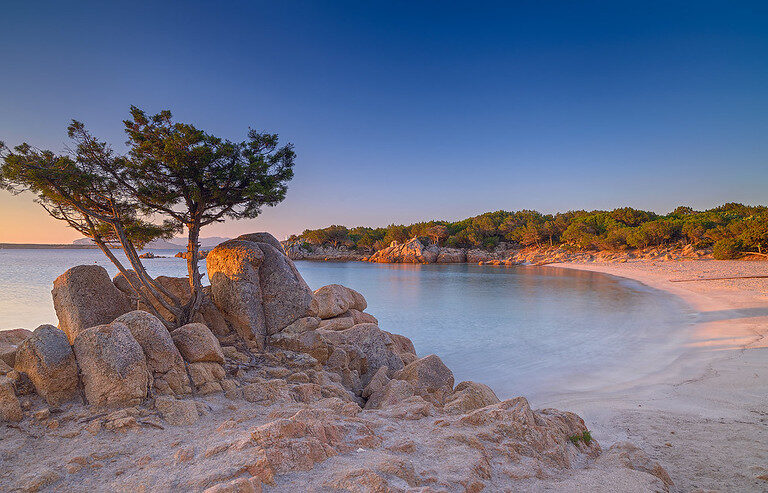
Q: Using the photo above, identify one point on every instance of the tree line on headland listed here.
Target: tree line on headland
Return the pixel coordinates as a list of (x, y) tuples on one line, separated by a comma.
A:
[(731, 230)]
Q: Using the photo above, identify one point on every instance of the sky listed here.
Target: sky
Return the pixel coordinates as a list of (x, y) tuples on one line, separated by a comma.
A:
[(407, 111)]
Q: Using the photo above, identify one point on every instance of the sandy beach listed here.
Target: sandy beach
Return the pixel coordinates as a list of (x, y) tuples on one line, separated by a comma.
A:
[(705, 416)]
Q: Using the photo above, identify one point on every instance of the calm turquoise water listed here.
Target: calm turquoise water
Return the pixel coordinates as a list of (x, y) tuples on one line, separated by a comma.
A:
[(533, 331)]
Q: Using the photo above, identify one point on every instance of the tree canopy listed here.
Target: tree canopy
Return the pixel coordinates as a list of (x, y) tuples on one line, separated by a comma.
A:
[(174, 176), (738, 228)]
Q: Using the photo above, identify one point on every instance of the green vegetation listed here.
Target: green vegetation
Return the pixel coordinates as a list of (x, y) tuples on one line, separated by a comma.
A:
[(174, 177), (731, 229), (585, 437)]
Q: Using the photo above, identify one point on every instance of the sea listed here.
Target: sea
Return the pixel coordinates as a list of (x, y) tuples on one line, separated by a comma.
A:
[(540, 332)]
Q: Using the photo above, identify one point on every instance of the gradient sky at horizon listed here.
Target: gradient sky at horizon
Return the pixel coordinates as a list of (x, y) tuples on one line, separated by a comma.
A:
[(405, 111)]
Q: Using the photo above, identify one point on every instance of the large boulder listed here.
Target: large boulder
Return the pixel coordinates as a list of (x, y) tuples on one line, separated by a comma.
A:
[(9, 342), (256, 286), (334, 299), (112, 364), (197, 343), (393, 393), (84, 296), (263, 237), (47, 359), (468, 396), (411, 252), (164, 360), (233, 269), (285, 295), (373, 343), (429, 376)]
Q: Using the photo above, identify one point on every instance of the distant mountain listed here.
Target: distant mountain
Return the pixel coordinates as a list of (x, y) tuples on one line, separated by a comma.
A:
[(176, 244)]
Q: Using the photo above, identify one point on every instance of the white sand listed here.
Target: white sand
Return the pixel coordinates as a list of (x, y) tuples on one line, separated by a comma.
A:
[(705, 416)]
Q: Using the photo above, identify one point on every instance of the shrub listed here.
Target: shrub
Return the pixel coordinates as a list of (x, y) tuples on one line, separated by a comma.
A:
[(726, 249)]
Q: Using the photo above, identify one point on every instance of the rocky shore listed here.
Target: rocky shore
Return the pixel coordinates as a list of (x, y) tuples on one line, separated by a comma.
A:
[(299, 250), (273, 387), (415, 252)]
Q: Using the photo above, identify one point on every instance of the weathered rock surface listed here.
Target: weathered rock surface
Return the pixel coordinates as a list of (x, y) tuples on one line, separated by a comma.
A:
[(164, 361), (197, 343), (410, 252), (179, 287), (626, 455), (9, 342), (300, 250), (429, 376), (451, 256), (334, 300), (403, 347), (124, 283), (468, 396), (377, 382), (302, 325), (207, 376), (84, 296), (10, 409), (392, 393), (374, 344), (112, 365), (256, 287), (47, 359), (233, 269), (176, 411), (285, 295), (337, 323), (262, 237)]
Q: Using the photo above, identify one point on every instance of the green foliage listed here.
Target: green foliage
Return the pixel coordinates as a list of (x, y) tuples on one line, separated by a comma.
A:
[(174, 176), (612, 230), (585, 437), (726, 249)]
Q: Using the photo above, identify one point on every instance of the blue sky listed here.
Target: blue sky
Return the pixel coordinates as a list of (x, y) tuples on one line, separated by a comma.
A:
[(402, 111)]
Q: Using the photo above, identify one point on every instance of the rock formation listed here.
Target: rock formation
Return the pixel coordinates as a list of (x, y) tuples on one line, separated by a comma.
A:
[(112, 365), (48, 361), (300, 250), (164, 362), (84, 296), (256, 287), (197, 343), (9, 343), (410, 252)]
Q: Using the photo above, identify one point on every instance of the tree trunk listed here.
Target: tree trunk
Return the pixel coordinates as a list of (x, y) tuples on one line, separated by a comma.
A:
[(155, 289), (195, 280), (137, 289)]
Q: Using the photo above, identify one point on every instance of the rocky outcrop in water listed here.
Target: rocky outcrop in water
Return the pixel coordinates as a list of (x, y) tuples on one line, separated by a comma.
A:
[(410, 252), (328, 401), (415, 252), (300, 250)]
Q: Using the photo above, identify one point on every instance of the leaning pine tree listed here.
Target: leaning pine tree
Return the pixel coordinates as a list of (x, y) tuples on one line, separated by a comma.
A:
[(174, 177)]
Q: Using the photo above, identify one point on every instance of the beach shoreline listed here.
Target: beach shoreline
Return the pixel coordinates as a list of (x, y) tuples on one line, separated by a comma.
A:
[(704, 416)]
